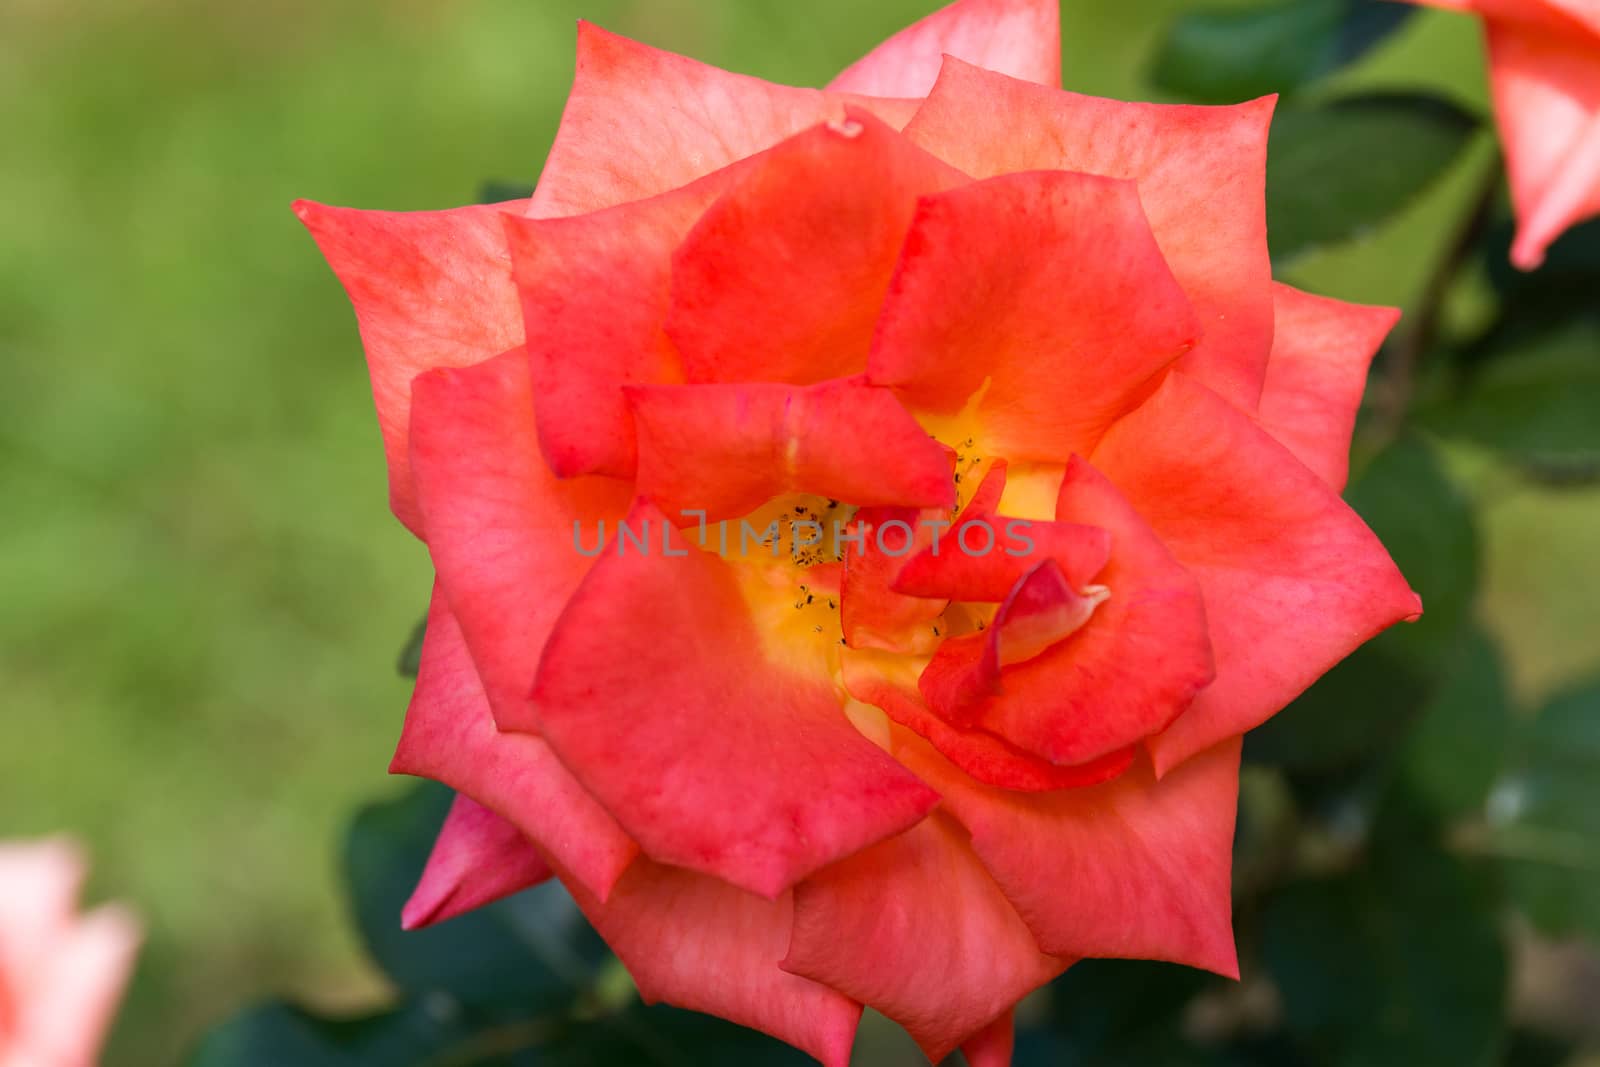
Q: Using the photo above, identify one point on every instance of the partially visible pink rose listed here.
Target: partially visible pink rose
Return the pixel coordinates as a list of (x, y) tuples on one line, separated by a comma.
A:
[(1544, 68), (61, 974)]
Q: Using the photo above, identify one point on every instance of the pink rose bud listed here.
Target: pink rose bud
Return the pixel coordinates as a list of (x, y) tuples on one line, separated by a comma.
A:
[(62, 974)]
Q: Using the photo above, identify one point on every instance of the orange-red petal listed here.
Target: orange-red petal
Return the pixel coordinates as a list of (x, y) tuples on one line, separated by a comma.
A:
[(1135, 867), (696, 942), (1021, 38), (450, 736), (658, 693), (783, 278), (1132, 668), (916, 928), (1046, 289), (430, 289), (594, 292), (1321, 349), (728, 449), (1293, 580), (640, 121), (503, 531), (477, 859), (1201, 174)]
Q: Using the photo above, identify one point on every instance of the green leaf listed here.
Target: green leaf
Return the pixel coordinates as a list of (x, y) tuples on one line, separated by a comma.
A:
[(531, 950), (411, 654), (671, 1037), (499, 192), (1530, 1049), (279, 1034), (1225, 56), (1534, 396), (1368, 700), (1338, 170), (436, 1031), (1123, 1011), (1544, 816), (1395, 963), (1459, 745)]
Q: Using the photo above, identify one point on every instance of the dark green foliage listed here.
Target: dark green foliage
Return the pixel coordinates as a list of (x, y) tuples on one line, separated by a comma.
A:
[(1224, 56)]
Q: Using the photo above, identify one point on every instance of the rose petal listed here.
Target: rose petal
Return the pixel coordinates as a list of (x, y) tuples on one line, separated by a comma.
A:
[(970, 563), (1546, 86), (892, 686), (1042, 610), (503, 531), (1133, 868), (39, 886), (1047, 290), (1571, 17), (594, 291), (450, 736), (783, 278), (430, 289), (640, 121), (727, 761), (916, 928), (696, 942), (72, 996), (1021, 38), (1292, 578), (728, 449), (871, 613), (1132, 668), (992, 1046), (1321, 349), (1201, 173), (477, 859)]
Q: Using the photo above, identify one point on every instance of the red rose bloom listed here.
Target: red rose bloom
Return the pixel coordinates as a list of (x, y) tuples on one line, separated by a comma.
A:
[(940, 305), (1544, 68)]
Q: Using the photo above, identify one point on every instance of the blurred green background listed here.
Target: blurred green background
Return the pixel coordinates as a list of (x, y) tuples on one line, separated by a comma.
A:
[(201, 590)]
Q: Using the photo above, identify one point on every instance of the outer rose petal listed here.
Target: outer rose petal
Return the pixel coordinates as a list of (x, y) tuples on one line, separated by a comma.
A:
[(1201, 173), (783, 278), (699, 943), (477, 859), (1021, 38), (1321, 349), (450, 736), (1547, 99), (1134, 868), (992, 1046), (655, 689), (502, 530), (595, 291), (430, 289), (728, 449), (916, 928), (640, 121), (1293, 580), (1049, 286)]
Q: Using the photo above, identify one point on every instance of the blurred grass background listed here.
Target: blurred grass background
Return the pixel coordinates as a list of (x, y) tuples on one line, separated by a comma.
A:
[(201, 590)]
